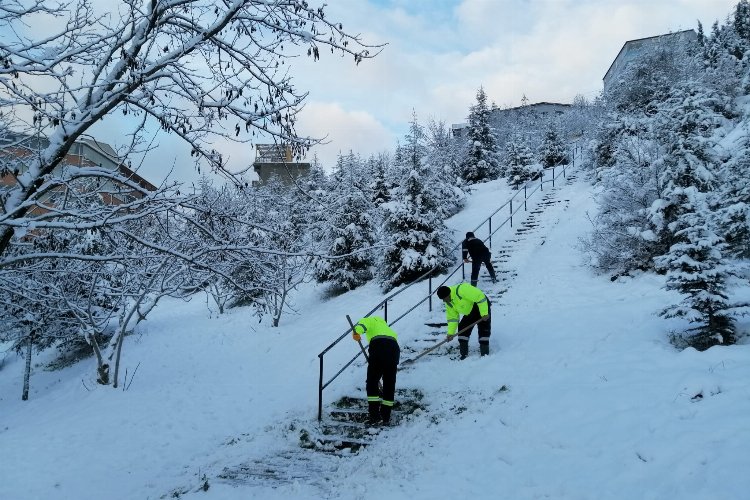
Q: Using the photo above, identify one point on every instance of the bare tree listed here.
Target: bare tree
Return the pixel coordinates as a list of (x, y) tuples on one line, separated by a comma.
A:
[(202, 70), (34, 314)]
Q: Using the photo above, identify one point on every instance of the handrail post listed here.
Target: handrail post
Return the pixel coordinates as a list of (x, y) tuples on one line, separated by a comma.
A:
[(553, 176), (574, 157), (429, 292), (511, 212), (320, 390), (490, 219), (525, 197), (463, 267), (541, 180)]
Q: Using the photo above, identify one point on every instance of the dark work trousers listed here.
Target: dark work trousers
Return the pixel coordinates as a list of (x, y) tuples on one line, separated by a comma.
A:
[(484, 327), (384, 355), (477, 263)]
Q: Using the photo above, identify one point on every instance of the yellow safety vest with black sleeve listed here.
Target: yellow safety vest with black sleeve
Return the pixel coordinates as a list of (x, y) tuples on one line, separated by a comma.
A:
[(463, 298), (373, 327)]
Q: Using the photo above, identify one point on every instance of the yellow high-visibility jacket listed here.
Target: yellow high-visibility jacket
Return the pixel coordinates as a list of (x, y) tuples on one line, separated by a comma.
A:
[(463, 298), (374, 326)]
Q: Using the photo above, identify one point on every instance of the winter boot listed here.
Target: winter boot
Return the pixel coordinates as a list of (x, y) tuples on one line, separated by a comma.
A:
[(374, 411), (484, 349), (385, 414), (463, 349)]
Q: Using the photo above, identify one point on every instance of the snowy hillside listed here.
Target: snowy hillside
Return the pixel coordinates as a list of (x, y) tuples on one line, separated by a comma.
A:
[(582, 396)]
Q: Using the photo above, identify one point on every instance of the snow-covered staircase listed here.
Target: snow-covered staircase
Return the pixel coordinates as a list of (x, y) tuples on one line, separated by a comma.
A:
[(343, 429), (530, 232), (342, 432)]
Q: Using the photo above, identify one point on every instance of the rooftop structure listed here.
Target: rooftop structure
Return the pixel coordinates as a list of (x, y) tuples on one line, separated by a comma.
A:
[(276, 160)]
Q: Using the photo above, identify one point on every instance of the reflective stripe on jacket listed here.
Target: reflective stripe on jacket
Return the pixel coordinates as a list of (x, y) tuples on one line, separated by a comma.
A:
[(463, 298), (374, 326)]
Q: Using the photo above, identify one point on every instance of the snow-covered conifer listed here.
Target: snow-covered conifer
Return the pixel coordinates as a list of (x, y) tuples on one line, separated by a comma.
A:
[(442, 158), (381, 182), (697, 269), (684, 123), (350, 229), (519, 161), (415, 235), (481, 162), (733, 197), (553, 151)]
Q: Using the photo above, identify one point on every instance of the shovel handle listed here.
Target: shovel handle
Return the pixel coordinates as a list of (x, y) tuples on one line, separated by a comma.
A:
[(429, 350), (351, 324)]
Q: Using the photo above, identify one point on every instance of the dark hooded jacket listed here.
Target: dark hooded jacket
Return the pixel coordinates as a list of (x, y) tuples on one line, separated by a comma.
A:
[(474, 247)]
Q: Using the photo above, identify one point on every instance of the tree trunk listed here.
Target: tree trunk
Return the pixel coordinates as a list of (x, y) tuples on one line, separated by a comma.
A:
[(279, 307), (27, 370), (102, 368), (117, 359)]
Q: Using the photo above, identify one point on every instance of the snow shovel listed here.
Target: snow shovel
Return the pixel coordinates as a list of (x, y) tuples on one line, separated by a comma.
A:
[(429, 350)]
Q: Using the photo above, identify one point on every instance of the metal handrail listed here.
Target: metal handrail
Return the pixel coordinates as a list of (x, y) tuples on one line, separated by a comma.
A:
[(428, 274)]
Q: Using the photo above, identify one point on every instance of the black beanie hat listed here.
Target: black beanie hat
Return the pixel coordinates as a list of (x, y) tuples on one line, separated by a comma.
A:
[(469, 234), (443, 292)]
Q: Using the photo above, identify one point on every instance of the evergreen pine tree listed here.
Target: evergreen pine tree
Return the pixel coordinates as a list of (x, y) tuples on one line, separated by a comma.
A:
[(697, 269), (351, 230), (741, 20), (519, 160), (734, 198), (415, 235), (442, 160), (723, 56), (381, 183), (481, 163), (694, 260), (552, 152), (684, 125)]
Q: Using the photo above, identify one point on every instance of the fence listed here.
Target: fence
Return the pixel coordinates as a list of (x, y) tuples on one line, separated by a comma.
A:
[(529, 189)]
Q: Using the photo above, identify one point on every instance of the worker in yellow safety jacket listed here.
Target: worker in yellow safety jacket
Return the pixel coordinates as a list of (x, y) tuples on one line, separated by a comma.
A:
[(383, 357), (471, 303)]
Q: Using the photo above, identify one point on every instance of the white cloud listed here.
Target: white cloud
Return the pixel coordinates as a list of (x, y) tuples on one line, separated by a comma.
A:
[(346, 130)]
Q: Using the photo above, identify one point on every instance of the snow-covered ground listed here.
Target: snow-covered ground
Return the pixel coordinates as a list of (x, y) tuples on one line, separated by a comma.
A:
[(582, 397)]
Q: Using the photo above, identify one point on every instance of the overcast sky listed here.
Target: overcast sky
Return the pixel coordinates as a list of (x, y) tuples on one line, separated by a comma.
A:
[(439, 52)]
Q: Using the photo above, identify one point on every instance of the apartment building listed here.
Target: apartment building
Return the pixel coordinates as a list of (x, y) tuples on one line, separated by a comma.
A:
[(635, 49)]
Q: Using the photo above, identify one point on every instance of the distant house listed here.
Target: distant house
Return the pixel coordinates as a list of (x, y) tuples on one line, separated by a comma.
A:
[(16, 151), (276, 160), (539, 110), (634, 49)]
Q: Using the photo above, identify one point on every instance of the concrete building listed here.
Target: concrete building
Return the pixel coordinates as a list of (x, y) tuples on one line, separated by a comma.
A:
[(634, 49), (276, 160)]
